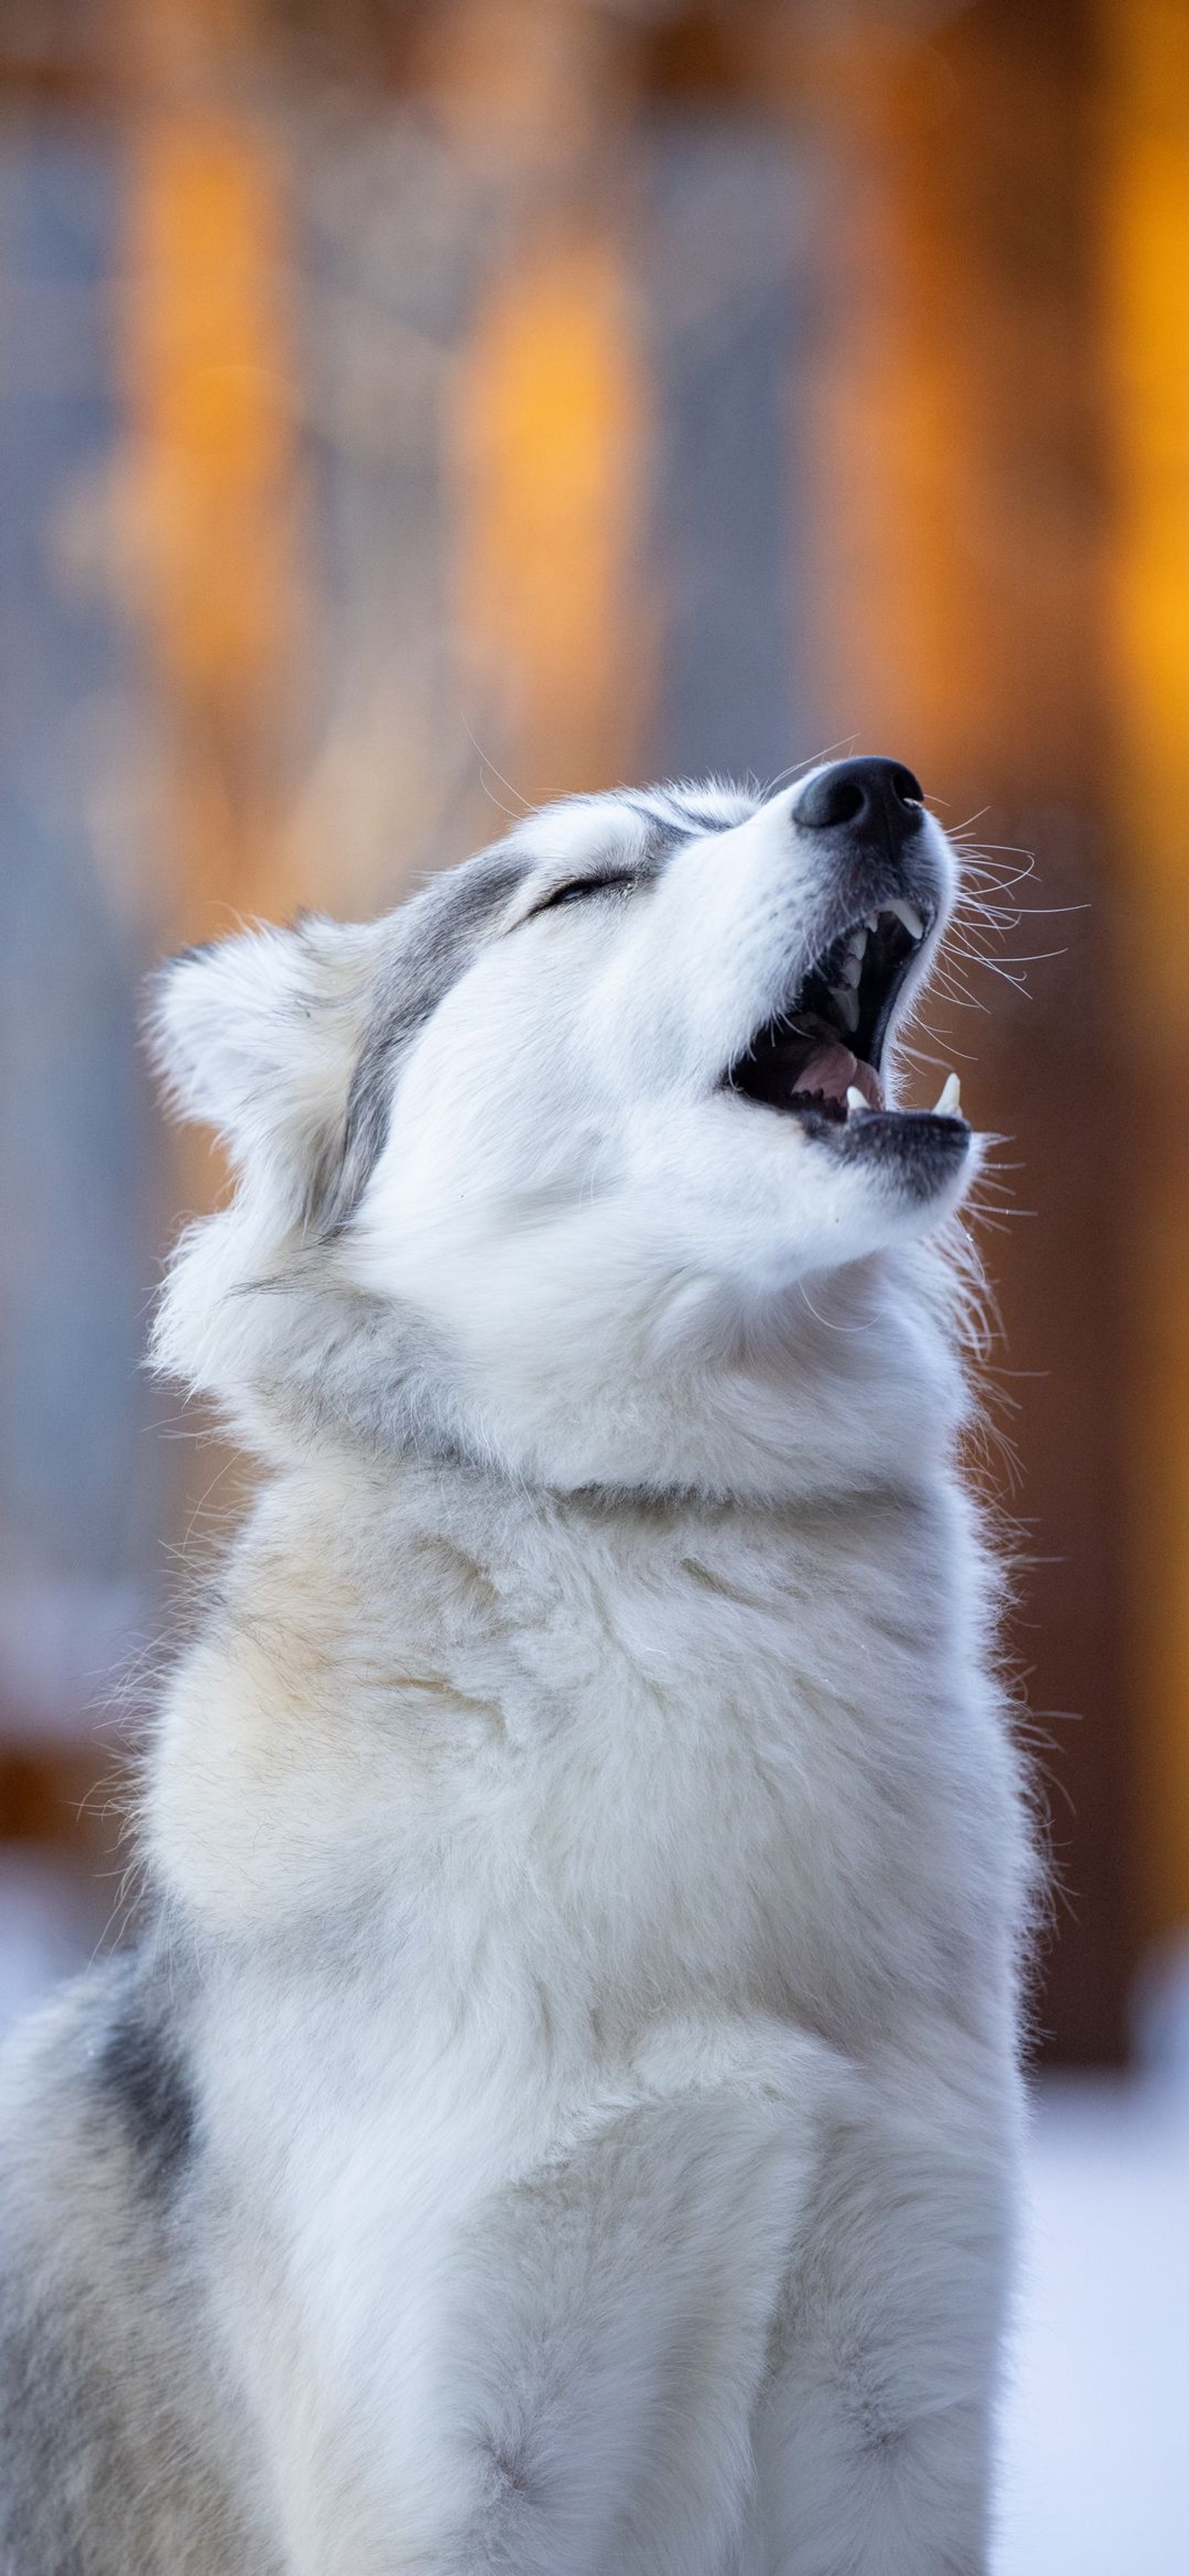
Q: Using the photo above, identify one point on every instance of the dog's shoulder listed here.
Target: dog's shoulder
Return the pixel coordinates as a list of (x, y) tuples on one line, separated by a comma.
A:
[(107, 2059), (105, 2357)]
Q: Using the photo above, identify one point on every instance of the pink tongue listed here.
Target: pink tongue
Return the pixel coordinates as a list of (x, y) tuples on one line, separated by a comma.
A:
[(833, 1070)]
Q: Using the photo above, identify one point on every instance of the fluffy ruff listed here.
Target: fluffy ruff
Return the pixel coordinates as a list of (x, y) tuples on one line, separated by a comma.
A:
[(563, 2120)]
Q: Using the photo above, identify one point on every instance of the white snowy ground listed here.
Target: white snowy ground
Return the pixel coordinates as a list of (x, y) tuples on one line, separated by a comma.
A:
[(1096, 2469), (1096, 2450)]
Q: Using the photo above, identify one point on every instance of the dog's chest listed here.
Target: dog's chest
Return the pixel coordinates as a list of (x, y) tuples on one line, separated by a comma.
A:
[(628, 1764), (730, 1767)]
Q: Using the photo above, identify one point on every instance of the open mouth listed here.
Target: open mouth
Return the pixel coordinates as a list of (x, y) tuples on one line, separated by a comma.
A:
[(819, 1057)]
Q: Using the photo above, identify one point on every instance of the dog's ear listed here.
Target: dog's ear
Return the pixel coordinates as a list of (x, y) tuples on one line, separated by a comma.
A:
[(259, 1037)]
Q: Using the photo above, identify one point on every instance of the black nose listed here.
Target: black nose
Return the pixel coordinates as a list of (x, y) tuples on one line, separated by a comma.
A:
[(871, 800)]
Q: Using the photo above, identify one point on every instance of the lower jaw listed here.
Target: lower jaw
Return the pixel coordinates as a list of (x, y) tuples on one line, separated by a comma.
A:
[(921, 1151)]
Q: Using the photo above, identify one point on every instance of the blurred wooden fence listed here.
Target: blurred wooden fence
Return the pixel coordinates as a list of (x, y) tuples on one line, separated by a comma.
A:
[(526, 391)]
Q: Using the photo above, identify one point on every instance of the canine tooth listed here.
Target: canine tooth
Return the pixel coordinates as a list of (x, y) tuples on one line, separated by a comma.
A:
[(854, 1098), (848, 1007), (908, 914), (852, 968), (950, 1103), (873, 921)]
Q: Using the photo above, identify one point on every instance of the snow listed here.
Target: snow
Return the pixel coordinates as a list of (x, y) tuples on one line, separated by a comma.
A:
[(1096, 2461)]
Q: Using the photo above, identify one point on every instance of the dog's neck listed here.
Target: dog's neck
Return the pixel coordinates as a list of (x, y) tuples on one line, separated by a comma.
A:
[(852, 1382)]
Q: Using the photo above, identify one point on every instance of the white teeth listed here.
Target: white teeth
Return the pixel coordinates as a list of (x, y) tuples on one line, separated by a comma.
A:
[(908, 914), (873, 921), (855, 1100), (848, 1007), (950, 1103), (852, 968)]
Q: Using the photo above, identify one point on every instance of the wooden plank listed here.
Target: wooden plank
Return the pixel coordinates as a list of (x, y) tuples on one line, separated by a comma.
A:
[(726, 258), (549, 427), (1146, 291), (548, 431), (211, 483), (78, 1491)]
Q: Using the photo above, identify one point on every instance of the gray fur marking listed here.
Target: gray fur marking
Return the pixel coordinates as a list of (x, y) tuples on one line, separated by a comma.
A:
[(436, 936), (141, 2071), (435, 939)]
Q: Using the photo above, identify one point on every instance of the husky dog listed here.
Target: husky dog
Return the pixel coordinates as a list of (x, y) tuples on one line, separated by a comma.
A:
[(564, 2120)]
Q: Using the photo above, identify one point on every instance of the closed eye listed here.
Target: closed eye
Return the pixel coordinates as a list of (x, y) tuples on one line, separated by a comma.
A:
[(579, 887)]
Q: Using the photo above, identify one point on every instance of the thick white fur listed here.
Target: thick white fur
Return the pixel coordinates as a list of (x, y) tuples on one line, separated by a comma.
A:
[(589, 1790)]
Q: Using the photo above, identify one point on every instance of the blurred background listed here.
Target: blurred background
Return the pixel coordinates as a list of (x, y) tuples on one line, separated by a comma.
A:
[(413, 408)]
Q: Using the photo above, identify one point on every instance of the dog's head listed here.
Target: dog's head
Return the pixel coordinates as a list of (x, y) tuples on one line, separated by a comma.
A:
[(581, 1158)]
